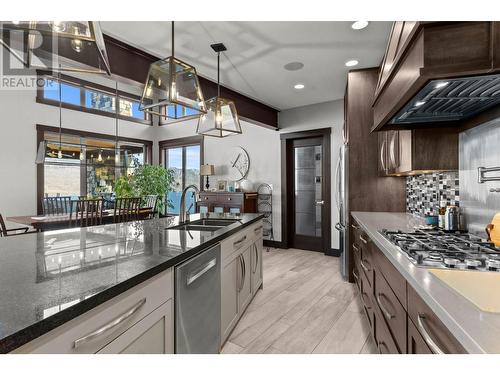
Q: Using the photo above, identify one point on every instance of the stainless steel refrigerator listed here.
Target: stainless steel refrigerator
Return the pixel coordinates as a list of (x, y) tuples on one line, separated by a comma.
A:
[(341, 198)]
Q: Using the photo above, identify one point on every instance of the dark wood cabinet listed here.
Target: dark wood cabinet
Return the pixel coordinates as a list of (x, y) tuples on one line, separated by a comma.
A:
[(416, 343), (418, 52), (367, 190), (407, 152), (400, 321), (227, 202), (438, 337)]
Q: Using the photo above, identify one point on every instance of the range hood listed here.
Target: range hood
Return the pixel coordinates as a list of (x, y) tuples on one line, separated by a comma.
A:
[(451, 100), (437, 74)]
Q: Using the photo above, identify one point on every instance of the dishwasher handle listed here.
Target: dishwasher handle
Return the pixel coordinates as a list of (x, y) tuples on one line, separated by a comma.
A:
[(201, 271)]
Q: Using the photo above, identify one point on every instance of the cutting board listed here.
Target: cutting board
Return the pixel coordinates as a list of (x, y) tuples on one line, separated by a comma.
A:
[(493, 230), (480, 288)]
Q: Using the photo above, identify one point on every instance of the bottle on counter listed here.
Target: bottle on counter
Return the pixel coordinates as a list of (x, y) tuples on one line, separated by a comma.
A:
[(453, 215), (442, 214)]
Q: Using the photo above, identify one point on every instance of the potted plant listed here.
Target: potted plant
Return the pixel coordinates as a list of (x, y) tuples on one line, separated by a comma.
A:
[(147, 180)]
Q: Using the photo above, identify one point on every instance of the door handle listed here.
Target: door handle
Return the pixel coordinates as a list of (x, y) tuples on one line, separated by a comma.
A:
[(256, 258), (194, 276), (386, 312), (110, 325), (338, 227), (240, 241), (242, 279), (320, 203)]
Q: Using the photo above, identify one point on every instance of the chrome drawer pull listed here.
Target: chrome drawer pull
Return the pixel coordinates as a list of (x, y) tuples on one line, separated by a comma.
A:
[(256, 258), (193, 277), (240, 241), (354, 226), (110, 325), (362, 239), (386, 312), (257, 229), (427, 337), (362, 262), (355, 248)]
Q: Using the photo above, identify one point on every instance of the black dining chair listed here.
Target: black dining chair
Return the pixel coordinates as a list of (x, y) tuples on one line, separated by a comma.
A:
[(126, 209), (4, 232), (57, 205), (88, 212), (150, 202)]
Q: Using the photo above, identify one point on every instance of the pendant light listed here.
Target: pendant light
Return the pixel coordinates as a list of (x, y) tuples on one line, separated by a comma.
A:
[(221, 119), (172, 89), (78, 45)]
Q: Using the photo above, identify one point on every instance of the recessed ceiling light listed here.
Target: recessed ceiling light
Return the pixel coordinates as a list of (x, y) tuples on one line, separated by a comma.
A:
[(299, 86), (358, 25), (294, 65), (352, 63)]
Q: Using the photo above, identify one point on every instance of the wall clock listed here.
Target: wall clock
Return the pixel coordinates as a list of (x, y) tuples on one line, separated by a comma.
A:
[(239, 163)]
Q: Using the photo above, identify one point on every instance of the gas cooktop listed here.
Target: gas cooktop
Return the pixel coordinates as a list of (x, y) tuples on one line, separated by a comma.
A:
[(438, 249)]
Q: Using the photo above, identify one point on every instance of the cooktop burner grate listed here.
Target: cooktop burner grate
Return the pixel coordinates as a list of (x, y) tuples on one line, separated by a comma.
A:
[(439, 249)]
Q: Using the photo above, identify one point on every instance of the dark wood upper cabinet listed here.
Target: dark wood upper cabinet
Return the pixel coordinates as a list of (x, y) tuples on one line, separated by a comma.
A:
[(407, 152), (419, 53)]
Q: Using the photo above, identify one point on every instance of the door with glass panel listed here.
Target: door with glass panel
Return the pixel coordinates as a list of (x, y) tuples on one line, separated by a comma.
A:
[(309, 217)]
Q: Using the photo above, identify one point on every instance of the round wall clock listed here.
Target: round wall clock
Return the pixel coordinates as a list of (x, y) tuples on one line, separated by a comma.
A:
[(239, 163)]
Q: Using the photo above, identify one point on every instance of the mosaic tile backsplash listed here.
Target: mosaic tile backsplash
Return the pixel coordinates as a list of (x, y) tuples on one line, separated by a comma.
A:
[(424, 192)]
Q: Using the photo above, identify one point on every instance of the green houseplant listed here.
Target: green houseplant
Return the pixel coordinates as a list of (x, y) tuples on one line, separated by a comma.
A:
[(146, 180)]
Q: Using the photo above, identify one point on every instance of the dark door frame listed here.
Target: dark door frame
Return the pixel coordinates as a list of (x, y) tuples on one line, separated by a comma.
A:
[(287, 184)]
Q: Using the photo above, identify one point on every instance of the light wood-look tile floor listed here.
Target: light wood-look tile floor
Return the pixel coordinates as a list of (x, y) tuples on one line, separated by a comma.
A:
[(304, 307)]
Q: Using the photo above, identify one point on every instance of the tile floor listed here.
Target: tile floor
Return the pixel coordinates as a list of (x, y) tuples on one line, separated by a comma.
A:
[(304, 307)]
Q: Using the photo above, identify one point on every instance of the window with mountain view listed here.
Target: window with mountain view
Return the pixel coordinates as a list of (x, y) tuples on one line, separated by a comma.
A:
[(184, 161)]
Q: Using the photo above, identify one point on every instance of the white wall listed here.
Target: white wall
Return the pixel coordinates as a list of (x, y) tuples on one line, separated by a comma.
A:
[(20, 113), (316, 116)]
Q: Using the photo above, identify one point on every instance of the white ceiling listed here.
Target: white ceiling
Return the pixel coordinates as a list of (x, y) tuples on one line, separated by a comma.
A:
[(257, 52)]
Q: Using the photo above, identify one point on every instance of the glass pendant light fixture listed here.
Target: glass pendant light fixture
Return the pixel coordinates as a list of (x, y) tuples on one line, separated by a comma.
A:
[(172, 89), (221, 119), (74, 46)]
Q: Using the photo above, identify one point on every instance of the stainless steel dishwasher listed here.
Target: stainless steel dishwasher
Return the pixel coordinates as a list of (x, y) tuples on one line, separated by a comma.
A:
[(198, 304)]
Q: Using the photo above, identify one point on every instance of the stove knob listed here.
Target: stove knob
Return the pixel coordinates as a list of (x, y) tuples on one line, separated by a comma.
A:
[(493, 264), (473, 263), (451, 262)]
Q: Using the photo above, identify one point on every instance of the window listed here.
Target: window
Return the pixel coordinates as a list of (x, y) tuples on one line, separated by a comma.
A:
[(89, 97), (183, 156), (87, 166), (185, 111)]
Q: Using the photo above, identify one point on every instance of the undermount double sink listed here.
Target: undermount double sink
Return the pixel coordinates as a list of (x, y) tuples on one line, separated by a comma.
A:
[(208, 225)]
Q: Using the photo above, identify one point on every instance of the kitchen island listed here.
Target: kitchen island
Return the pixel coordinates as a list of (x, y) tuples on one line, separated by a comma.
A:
[(475, 330), (49, 279)]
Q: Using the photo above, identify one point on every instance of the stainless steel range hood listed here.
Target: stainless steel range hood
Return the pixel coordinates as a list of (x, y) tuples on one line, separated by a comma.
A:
[(450, 100)]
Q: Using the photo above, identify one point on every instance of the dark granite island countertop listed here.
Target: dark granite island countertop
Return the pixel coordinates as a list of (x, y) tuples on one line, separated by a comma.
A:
[(49, 278)]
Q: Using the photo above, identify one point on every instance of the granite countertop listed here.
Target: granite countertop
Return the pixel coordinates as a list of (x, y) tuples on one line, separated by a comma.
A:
[(476, 330), (49, 278)]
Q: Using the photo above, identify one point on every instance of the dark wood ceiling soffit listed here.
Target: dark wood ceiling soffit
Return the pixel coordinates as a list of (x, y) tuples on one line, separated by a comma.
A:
[(132, 63)]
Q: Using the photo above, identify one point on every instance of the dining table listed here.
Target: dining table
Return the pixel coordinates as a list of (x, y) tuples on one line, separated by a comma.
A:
[(52, 222)]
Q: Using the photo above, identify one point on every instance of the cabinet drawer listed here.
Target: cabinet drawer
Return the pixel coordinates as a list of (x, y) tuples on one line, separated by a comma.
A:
[(391, 311), (395, 280), (119, 314), (366, 261), (235, 243), (366, 298), (433, 331), (210, 198), (234, 199), (383, 338), (416, 343)]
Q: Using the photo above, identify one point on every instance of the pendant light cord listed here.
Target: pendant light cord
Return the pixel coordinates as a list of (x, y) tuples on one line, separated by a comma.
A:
[(218, 74), (173, 35), (117, 103)]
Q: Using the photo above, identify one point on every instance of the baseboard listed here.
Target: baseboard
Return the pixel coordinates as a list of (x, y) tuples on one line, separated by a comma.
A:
[(333, 252), (275, 244)]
